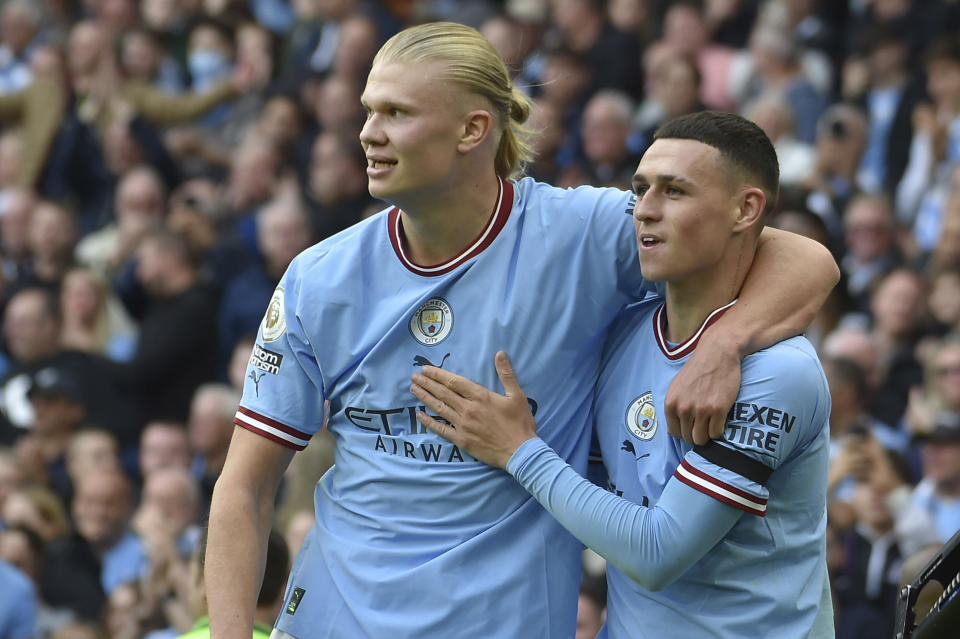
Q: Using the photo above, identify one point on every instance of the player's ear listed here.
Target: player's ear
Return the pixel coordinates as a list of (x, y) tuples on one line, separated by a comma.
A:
[(476, 127), (752, 201)]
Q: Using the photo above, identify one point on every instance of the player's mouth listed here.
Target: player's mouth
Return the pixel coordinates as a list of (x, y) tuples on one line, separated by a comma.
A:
[(378, 166), (648, 241)]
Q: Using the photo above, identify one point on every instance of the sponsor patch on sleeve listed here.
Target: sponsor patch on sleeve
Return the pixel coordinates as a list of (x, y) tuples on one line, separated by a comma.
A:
[(267, 361)]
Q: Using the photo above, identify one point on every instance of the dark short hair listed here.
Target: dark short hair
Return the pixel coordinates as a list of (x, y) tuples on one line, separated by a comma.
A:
[(739, 141)]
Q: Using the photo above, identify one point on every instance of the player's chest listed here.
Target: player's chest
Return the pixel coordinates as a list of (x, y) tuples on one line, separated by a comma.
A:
[(638, 452)]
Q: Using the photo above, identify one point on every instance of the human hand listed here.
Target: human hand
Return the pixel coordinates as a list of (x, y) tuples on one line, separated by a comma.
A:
[(489, 426), (701, 394)]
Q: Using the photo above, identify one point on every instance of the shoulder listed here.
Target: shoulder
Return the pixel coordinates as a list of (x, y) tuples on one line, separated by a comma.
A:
[(793, 362), (345, 248), (583, 198)]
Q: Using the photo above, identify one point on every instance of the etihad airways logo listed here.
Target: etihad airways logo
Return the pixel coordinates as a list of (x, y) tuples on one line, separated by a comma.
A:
[(393, 426)]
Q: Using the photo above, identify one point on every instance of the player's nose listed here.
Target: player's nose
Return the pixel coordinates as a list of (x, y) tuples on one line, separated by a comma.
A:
[(646, 208), (372, 132)]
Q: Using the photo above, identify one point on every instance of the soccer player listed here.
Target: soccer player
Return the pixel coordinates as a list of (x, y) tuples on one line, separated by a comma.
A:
[(720, 540), (414, 537)]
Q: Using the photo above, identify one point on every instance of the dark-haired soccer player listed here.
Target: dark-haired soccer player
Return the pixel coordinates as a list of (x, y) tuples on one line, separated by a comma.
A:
[(721, 540)]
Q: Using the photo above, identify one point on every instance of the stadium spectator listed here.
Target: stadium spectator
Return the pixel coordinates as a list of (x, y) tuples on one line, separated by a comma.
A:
[(167, 516), (880, 81), (940, 391), (336, 184), (774, 114), (841, 137), (938, 493), (93, 320), (935, 148), (177, 347), (870, 229), (17, 206), (19, 25), (897, 309), (163, 445), (777, 67), (283, 231), (605, 138), (210, 428), (139, 207), (103, 553), (943, 300), (31, 326), (685, 31), (51, 241)]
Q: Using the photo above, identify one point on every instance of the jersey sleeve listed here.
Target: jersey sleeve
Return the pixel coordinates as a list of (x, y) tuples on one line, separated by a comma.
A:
[(783, 405), (652, 545), (283, 391)]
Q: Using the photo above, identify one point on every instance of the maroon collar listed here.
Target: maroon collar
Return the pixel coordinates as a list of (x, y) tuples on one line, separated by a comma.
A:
[(687, 347), (498, 219)]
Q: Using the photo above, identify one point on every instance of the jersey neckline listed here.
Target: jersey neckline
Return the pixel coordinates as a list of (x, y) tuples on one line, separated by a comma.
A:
[(498, 219), (685, 348)]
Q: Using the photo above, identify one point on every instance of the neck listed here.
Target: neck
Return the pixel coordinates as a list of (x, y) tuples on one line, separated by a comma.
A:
[(689, 301), (442, 224)]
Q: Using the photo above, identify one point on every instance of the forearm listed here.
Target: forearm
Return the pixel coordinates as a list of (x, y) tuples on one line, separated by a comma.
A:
[(653, 546), (789, 280), (236, 553)]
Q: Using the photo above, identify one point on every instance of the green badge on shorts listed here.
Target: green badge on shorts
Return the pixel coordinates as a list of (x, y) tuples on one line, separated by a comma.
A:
[(295, 600)]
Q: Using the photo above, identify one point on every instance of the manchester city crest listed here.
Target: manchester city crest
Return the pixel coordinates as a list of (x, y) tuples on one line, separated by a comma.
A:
[(275, 320), (432, 322), (642, 417)]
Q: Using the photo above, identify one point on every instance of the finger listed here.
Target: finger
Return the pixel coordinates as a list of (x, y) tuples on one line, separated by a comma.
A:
[(437, 391), (440, 428), (717, 425), (508, 378), (456, 383), (701, 430), (686, 425), (438, 406)]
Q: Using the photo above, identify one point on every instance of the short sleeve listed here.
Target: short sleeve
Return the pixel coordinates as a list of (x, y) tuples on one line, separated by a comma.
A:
[(783, 405), (283, 391)]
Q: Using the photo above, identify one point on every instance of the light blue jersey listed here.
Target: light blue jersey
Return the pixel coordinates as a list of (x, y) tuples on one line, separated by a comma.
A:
[(723, 540), (413, 537)]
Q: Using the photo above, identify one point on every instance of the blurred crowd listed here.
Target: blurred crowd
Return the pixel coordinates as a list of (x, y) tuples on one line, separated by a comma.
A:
[(162, 161)]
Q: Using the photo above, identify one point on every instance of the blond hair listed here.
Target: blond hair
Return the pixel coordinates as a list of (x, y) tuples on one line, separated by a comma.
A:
[(473, 64)]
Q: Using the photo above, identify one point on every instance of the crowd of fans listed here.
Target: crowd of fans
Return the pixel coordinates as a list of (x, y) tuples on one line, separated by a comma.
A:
[(162, 161)]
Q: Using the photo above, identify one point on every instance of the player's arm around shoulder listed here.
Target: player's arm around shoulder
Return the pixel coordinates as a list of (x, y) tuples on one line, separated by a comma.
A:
[(241, 514), (789, 279)]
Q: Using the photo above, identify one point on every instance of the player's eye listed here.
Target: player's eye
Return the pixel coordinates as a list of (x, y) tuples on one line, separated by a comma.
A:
[(396, 112), (640, 189), (673, 191)]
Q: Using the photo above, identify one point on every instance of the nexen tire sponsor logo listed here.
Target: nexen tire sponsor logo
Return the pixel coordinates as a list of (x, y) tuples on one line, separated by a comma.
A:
[(267, 361)]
